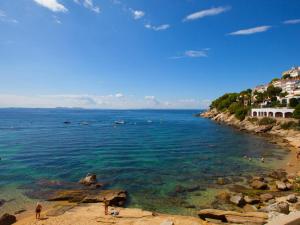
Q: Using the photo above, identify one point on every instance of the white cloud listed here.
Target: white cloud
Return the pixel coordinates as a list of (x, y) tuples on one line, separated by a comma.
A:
[(6, 19), (206, 12), (112, 101), (137, 14), (295, 21), (119, 95), (193, 54), (52, 5), (89, 4), (250, 31), (158, 28)]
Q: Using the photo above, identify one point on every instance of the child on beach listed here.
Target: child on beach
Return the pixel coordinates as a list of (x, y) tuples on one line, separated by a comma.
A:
[(38, 210)]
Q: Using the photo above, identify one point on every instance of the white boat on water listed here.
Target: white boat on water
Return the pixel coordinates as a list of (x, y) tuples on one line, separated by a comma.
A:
[(120, 122)]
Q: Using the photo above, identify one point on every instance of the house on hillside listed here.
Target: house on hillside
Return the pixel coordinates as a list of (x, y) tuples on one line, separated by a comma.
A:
[(292, 73)]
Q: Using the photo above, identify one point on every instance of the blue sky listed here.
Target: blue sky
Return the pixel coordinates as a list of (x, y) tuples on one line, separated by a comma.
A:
[(141, 54)]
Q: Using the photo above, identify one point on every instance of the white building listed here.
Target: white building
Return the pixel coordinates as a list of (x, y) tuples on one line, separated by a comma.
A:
[(294, 72), (272, 112)]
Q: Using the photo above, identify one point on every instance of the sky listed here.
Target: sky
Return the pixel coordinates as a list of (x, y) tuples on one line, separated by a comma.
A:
[(121, 54)]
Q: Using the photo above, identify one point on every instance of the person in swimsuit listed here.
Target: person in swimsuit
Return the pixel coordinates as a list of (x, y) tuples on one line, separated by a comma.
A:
[(106, 203), (38, 210)]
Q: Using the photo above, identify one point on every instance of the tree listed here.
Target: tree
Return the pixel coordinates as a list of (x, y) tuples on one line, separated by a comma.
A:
[(275, 79), (273, 91), (293, 102), (296, 113), (286, 76), (283, 94)]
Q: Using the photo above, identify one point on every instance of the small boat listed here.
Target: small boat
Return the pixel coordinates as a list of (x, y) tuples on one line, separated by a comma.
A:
[(84, 123), (67, 122), (149, 121), (120, 122)]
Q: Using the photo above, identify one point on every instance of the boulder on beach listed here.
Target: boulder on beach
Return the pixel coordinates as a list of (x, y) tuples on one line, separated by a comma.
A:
[(278, 174), (69, 195), (266, 197), (282, 186), (258, 185), (234, 217), (280, 207), (292, 198), (7, 219), (251, 200), (237, 200)]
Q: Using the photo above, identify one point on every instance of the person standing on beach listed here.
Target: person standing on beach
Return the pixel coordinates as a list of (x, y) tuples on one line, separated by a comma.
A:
[(298, 154), (38, 210), (106, 203)]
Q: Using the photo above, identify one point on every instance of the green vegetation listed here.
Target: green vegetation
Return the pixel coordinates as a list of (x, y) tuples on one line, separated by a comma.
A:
[(286, 76), (235, 103), (293, 102), (290, 125), (296, 113), (266, 121), (252, 119)]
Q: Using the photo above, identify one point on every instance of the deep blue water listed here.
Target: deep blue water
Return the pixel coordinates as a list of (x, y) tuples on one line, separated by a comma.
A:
[(149, 159)]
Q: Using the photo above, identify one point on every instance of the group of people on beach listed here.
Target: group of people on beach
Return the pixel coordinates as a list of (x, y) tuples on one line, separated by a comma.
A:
[(38, 209)]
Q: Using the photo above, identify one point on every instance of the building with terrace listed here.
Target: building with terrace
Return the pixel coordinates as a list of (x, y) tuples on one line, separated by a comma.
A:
[(272, 112)]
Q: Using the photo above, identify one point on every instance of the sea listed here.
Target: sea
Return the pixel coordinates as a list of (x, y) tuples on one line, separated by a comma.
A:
[(167, 160)]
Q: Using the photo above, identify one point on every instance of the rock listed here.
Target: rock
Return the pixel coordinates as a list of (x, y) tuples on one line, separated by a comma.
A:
[(258, 178), (292, 219), (69, 195), (89, 180), (167, 222), (221, 181), (249, 208), (7, 219), (263, 128), (258, 185), (20, 211), (234, 217), (292, 198), (281, 186), (2, 202), (251, 200), (266, 197), (115, 197), (280, 207), (278, 174), (289, 186), (237, 200)]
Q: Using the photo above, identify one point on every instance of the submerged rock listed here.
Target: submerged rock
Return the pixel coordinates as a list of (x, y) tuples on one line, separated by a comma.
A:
[(2, 202), (89, 179), (7, 219), (278, 174)]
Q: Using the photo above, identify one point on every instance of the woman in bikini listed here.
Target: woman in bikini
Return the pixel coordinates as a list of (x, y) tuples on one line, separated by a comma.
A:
[(38, 210)]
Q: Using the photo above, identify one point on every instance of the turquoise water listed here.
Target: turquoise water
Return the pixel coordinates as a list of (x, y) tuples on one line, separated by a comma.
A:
[(153, 153)]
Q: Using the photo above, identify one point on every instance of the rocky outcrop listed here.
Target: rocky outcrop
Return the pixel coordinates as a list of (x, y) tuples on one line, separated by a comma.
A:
[(89, 179), (115, 197), (292, 137), (234, 217), (7, 219)]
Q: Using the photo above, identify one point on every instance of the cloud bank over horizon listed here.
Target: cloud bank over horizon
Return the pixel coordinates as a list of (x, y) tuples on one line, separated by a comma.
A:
[(112, 101)]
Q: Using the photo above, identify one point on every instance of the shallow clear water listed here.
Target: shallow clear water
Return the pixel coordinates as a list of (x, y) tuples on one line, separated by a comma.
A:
[(149, 159)]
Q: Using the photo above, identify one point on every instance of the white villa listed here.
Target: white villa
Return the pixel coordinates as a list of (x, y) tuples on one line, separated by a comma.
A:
[(294, 72), (272, 112)]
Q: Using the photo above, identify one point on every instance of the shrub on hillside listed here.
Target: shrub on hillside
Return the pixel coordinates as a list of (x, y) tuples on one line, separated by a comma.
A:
[(293, 102), (234, 107), (290, 125), (266, 121), (252, 119), (296, 113), (241, 113)]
